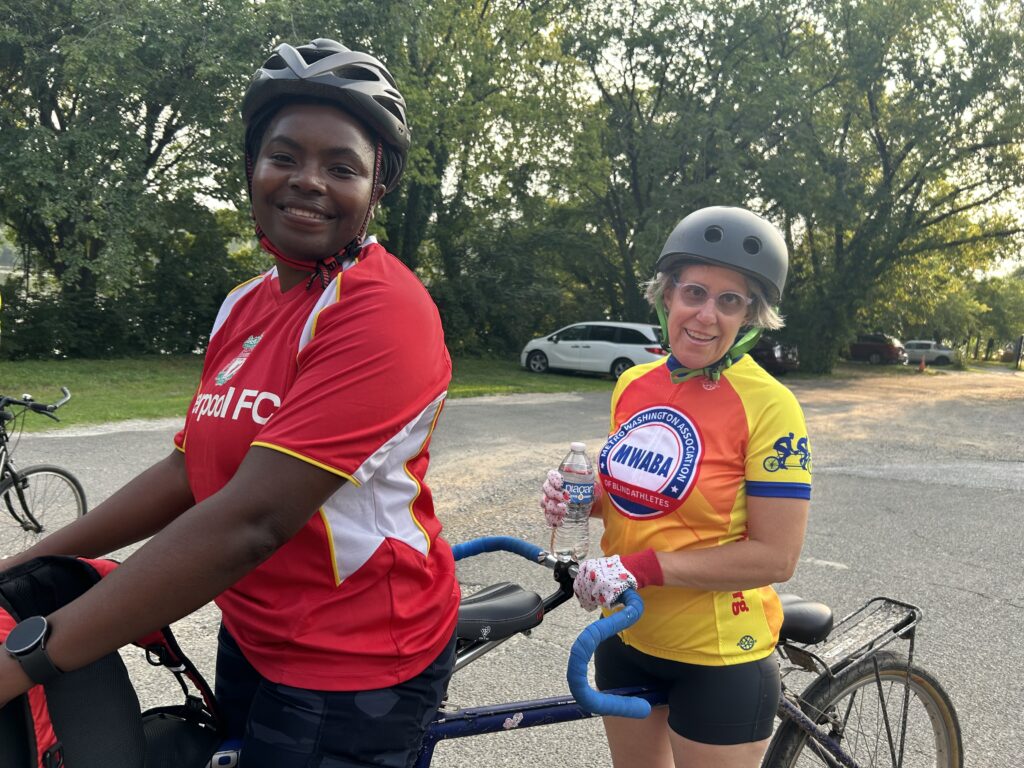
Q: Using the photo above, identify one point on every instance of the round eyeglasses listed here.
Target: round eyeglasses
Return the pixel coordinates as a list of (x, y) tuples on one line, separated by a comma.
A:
[(726, 302)]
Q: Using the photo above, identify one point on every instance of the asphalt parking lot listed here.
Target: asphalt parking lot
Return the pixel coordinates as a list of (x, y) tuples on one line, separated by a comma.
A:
[(918, 488)]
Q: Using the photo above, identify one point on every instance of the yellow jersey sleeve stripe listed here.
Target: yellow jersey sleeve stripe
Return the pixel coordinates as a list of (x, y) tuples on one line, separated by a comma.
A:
[(300, 457)]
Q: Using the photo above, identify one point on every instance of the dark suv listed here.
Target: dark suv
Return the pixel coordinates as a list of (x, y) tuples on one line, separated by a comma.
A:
[(775, 357), (878, 348)]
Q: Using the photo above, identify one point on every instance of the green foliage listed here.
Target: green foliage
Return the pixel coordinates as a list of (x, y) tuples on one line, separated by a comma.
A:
[(914, 128), (176, 286), (555, 144), (1004, 299)]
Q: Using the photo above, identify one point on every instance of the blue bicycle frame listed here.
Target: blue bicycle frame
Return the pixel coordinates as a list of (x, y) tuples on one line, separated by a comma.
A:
[(582, 702)]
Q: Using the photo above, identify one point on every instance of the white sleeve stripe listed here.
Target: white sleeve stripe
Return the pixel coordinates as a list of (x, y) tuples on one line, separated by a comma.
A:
[(233, 298)]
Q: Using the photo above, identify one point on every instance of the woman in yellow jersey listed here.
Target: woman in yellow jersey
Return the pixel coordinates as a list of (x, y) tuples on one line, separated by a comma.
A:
[(701, 511)]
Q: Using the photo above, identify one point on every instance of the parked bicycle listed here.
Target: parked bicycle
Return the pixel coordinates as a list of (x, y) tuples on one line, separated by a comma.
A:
[(866, 705), (38, 499)]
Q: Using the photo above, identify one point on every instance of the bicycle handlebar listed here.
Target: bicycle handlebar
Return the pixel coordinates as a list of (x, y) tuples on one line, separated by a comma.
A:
[(586, 643), (46, 409), (583, 650), (498, 544)]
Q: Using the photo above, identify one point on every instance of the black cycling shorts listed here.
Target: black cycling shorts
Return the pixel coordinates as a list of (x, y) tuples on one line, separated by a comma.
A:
[(287, 727), (732, 704)]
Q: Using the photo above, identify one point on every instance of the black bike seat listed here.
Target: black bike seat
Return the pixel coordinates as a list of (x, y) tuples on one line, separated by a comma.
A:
[(499, 611), (804, 621)]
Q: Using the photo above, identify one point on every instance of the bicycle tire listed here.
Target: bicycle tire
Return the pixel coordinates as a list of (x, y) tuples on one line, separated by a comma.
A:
[(53, 497), (856, 702)]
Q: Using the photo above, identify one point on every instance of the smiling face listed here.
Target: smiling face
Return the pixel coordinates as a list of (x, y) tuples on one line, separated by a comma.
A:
[(312, 181), (699, 336)]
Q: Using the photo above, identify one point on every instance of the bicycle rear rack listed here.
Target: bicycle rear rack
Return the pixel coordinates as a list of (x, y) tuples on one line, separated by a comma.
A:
[(857, 636)]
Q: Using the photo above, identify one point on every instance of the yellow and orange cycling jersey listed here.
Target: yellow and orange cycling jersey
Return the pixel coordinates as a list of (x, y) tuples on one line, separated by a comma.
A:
[(677, 468)]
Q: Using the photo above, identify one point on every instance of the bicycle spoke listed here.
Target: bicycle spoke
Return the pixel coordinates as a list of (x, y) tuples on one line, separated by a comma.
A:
[(884, 711), (42, 500), (882, 715)]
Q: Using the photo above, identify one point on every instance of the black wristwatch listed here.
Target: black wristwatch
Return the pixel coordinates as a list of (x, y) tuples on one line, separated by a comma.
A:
[(26, 644)]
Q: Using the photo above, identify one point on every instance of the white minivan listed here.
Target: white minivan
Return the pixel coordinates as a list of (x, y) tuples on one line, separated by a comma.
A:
[(603, 346), (932, 352)]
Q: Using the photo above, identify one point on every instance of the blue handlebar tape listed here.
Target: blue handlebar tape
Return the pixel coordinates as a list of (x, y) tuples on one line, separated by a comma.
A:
[(583, 650), (497, 544)]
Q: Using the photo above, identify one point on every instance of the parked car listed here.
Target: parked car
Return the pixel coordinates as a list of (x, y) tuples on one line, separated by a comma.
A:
[(931, 352), (878, 348), (774, 356), (597, 347)]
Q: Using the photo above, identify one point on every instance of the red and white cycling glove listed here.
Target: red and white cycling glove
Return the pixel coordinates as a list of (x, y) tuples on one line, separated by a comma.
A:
[(553, 498), (601, 581)]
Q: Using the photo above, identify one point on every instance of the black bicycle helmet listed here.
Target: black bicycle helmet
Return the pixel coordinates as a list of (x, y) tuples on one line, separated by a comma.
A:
[(326, 70), (730, 237)]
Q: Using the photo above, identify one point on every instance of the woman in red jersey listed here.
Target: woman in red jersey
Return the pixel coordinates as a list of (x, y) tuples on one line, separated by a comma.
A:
[(295, 496)]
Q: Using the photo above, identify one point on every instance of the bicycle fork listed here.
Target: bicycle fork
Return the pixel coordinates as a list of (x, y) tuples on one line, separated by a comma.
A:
[(12, 483)]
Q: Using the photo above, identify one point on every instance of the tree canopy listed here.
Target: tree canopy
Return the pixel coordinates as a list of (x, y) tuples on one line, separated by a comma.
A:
[(555, 144)]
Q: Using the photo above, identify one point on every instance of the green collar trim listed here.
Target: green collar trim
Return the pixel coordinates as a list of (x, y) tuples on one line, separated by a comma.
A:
[(679, 373)]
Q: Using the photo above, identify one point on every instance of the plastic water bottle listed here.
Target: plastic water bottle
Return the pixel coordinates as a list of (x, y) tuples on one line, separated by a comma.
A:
[(572, 539)]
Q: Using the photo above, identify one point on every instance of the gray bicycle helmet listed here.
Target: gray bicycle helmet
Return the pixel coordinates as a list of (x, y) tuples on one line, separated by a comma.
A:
[(730, 237), (326, 70)]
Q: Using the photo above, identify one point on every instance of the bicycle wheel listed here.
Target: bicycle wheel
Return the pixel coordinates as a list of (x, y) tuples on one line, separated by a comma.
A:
[(863, 709), (36, 502)]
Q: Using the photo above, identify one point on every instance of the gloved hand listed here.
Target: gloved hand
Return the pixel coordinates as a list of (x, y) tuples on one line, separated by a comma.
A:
[(553, 499), (601, 581)]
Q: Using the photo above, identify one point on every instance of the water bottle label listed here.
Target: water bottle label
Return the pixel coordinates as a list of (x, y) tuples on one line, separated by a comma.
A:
[(580, 493), (227, 755)]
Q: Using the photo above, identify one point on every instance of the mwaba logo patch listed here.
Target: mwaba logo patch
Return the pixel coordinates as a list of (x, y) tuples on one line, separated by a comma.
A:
[(651, 464)]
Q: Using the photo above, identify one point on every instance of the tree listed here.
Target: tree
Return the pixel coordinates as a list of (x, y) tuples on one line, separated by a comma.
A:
[(555, 144), (107, 111), (1004, 298), (688, 98), (911, 121)]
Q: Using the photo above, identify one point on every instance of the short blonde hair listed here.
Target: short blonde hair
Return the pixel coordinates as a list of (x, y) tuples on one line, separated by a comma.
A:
[(760, 314)]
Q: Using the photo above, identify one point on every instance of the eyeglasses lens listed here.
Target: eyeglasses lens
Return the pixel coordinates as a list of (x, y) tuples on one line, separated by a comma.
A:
[(726, 302)]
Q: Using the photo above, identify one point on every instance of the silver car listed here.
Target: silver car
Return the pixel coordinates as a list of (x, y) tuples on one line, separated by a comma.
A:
[(932, 352), (602, 346)]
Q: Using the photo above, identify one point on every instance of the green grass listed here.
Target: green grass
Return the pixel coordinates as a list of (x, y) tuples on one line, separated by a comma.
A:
[(472, 378), (104, 390), (160, 387)]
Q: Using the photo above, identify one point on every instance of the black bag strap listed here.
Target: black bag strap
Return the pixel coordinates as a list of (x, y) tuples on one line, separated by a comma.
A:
[(167, 653)]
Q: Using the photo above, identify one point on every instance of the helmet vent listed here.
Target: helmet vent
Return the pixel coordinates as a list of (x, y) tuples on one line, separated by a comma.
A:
[(354, 73), (751, 245), (713, 234)]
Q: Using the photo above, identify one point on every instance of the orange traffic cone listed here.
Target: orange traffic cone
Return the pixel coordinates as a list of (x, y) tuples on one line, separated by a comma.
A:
[(920, 366)]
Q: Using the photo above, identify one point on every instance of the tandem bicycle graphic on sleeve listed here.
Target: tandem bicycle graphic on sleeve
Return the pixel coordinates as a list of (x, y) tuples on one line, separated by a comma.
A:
[(784, 450)]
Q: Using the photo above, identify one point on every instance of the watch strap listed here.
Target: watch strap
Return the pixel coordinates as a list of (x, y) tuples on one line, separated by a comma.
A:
[(30, 652), (38, 665)]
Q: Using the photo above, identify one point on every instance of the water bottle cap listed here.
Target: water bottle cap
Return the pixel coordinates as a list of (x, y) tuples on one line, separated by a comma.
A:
[(578, 447)]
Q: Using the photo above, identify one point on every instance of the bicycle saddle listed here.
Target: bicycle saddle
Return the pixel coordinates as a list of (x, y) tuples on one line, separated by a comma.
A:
[(499, 611), (804, 621)]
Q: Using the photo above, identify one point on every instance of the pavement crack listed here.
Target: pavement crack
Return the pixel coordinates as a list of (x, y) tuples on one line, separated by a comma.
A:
[(976, 593)]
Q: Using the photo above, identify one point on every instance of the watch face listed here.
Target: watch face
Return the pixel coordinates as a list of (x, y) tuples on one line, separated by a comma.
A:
[(26, 636)]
